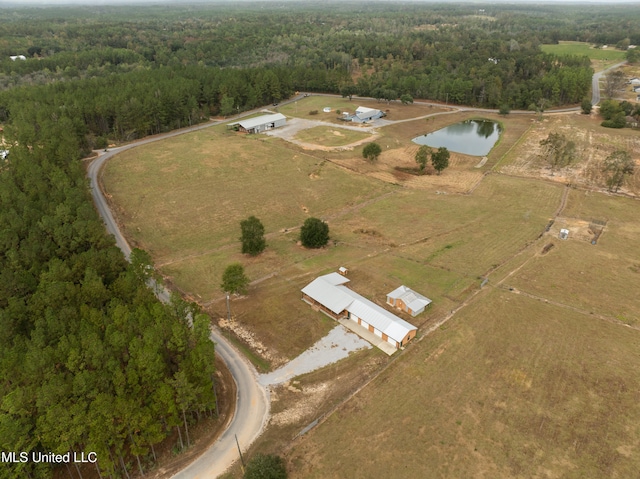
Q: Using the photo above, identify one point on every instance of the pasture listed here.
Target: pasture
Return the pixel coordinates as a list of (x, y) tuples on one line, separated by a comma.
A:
[(535, 374), (511, 387), (593, 144), (601, 279), (609, 54), (182, 200)]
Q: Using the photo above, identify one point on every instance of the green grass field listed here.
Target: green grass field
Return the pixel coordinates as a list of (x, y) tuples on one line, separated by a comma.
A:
[(510, 388), (187, 196), (580, 48)]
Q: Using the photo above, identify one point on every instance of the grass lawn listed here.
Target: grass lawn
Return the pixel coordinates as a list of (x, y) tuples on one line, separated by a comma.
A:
[(585, 49), (510, 388), (327, 136)]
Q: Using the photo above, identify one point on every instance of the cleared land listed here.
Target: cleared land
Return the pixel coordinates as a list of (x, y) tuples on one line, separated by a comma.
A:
[(183, 199), (512, 388), (601, 279), (394, 110), (537, 381), (593, 144)]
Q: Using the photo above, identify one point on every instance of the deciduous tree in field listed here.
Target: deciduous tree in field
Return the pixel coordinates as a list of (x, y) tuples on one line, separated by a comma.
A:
[(406, 98), (253, 242), (586, 106), (558, 150), (348, 91), (371, 151), (613, 82), (617, 166), (422, 156), (314, 233), (440, 159), (234, 281)]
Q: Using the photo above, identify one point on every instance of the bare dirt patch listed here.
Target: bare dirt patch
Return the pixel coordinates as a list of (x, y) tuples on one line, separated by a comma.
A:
[(459, 177), (579, 229)]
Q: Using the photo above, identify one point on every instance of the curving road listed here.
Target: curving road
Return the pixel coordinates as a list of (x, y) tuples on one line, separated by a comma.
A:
[(595, 83), (252, 402)]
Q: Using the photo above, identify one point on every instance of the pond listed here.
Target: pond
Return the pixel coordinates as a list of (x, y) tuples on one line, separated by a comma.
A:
[(471, 137)]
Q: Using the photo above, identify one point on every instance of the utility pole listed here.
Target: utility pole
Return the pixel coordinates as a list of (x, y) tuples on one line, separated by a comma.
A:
[(228, 319), (240, 452)]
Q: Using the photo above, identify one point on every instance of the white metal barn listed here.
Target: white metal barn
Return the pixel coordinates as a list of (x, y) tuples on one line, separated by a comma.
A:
[(261, 123), (364, 114)]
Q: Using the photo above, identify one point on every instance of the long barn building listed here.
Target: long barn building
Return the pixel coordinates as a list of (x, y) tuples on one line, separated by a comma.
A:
[(330, 295), (261, 123)]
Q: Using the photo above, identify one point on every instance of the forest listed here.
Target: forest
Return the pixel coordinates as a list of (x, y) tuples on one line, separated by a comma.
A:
[(89, 359)]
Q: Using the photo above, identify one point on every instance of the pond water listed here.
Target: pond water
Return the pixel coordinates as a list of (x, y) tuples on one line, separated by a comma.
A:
[(471, 137)]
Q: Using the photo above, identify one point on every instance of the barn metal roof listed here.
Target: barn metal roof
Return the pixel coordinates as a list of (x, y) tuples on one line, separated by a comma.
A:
[(324, 290), (331, 292), (414, 301), (260, 120)]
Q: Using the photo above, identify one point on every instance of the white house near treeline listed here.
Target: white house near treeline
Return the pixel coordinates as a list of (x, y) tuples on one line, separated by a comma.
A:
[(330, 295)]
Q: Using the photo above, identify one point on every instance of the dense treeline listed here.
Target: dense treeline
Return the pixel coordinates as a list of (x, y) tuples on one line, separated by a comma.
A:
[(89, 359), (145, 102), (471, 54)]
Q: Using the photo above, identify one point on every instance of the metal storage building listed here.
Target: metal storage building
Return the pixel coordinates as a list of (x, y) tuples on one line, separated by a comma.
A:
[(261, 123)]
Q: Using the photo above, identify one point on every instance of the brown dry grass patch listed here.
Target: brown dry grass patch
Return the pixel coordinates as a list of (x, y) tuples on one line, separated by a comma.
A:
[(538, 399)]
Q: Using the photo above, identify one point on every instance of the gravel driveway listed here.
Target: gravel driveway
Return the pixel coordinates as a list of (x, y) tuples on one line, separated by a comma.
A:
[(296, 125), (336, 345)]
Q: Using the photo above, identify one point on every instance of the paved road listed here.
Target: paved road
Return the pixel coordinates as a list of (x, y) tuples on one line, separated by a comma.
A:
[(595, 83), (252, 402)]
